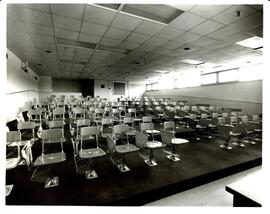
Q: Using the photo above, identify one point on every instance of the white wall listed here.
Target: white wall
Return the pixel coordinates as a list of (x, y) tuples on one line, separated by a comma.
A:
[(244, 95), (22, 87), (135, 89), (45, 86)]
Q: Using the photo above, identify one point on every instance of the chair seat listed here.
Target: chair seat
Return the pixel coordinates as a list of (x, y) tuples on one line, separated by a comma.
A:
[(152, 131), (200, 127), (78, 138), (258, 130), (132, 132), (50, 159), (179, 141), (21, 143), (249, 132), (137, 119), (126, 148), (91, 153), (153, 144), (12, 162), (235, 134), (212, 126)]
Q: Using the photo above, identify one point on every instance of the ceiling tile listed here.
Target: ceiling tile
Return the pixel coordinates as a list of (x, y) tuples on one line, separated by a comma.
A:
[(207, 27), (95, 29), (40, 7), (45, 46), (186, 21), (110, 42), (184, 7), (169, 33), (66, 23), (138, 38), (173, 45), (149, 28), (223, 33), (39, 29), (35, 17), (129, 45), (248, 22), (228, 16), (256, 31), (65, 66), (69, 10), (89, 38), (99, 15), (66, 50), (60, 33), (77, 67), (237, 37), (203, 41), (186, 37), (126, 22), (208, 11), (43, 39), (117, 33), (156, 41)]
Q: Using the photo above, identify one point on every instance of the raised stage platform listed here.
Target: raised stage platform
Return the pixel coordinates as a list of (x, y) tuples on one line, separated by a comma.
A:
[(201, 162)]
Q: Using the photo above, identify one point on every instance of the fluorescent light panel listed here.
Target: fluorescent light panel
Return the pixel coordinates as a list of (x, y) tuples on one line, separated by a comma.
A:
[(192, 61), (87, 45), (253, 42)]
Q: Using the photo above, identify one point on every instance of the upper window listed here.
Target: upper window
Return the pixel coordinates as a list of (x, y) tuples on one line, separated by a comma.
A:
[(209, 78), (254, 72), (228, 76)]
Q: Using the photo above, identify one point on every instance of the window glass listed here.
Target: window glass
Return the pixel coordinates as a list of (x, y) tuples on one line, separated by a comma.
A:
[(209, 79), (228, 76), (249, 73)]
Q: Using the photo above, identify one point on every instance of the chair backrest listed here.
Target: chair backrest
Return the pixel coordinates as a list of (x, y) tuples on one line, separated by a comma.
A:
[(193, 116), (224, 114), (169, 125), (51, 134), (224, 131), (146, 126), (129, 120), (140, 139), (13, 136), (233, 120), (59, 111), (241, 128), (147, 119), (255, 117), (214, 115), (166, 136), (26, 125), (204, 116), (83, 122), (56, 124), (106, 121), (90, 130), (121, 128), (244, 118)]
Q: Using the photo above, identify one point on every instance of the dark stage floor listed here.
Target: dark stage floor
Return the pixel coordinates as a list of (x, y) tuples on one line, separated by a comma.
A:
[(201, 162)]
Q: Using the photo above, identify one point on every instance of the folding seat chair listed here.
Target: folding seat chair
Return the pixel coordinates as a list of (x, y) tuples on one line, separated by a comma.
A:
[(256, 128), (233, 120), (58, 114), (224, 131), (168, 137), (143, 143), (99, 114), (116, 150), (148, 128), (116, 115), (133, 113), (24, 128), (78, 113), (35, 115), (107, 111), (87, 135), (106, 126), (239, 131), (13, 139), (49, 137), (122, 110), (147, 119)]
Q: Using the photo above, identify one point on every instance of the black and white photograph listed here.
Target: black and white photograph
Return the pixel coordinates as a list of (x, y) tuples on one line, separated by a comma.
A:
[(134, 104)]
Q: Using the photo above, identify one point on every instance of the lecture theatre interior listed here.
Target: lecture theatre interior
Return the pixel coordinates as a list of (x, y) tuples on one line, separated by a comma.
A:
[(134, 104)]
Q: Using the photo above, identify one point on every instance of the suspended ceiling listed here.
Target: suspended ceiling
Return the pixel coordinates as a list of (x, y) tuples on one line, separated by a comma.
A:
[(82, 41)]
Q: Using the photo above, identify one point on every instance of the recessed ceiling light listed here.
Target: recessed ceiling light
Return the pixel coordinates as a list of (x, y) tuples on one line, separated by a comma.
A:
[(48, 51), (187, 48), (192, 61), (39, 64), (253, 42)]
